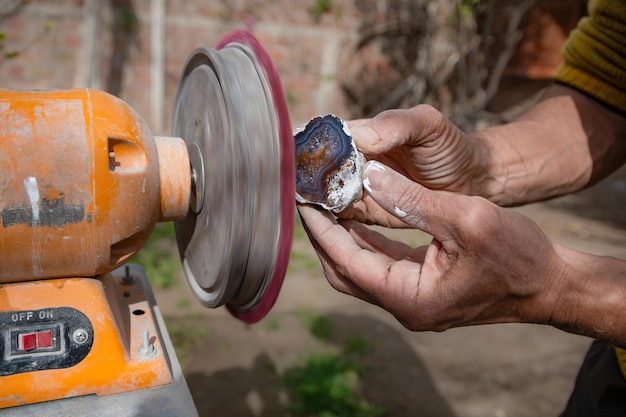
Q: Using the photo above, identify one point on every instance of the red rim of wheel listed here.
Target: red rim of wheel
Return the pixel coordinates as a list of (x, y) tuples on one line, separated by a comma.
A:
[(287, 178)]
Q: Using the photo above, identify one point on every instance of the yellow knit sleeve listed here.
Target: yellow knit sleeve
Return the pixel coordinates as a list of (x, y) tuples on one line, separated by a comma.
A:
[(594, 57)]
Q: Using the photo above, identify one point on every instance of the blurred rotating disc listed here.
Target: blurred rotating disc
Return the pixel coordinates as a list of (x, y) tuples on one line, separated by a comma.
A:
[(230, 110)]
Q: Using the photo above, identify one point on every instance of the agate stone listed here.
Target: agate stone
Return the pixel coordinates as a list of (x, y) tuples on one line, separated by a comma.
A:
[(328, 164)]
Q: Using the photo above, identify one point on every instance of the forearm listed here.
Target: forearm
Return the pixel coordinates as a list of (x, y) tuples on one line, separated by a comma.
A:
[(588, 297), (563, 144)]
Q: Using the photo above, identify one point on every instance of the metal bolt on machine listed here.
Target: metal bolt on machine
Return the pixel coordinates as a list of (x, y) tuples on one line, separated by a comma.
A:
[(82, 184)]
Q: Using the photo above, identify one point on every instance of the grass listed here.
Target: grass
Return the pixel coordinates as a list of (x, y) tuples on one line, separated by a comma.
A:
[(159, 256), (272, 324), (183, 302), (186, 333), (319, 326), (300, 261), (328, 384), (299, 233), (322, 329)]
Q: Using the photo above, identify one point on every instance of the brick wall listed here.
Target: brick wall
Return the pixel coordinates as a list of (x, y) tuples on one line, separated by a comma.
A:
[(308, 48), (47, 34), (46, 57)]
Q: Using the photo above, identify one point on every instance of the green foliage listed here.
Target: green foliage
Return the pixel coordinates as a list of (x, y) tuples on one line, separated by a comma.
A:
[(186, 333), (299, 232), (304, 315), (356, 346), (322, 328), (159, 256), (292, 97), (6, 54), (299, 262), (327, 385), (183, 302), (272, 324), (129, 20), (320, 7), (468, 7), (302, 261), (9, 11), (163, 231)]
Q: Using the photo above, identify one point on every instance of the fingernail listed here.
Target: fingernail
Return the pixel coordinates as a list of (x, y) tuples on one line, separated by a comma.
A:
[(399, 212), (367, 185), (373, 166)]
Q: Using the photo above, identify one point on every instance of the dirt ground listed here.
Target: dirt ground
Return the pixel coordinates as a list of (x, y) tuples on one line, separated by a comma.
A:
[(497, 370)]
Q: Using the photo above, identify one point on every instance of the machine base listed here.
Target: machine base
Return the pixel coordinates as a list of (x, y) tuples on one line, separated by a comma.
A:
[(161, 395)]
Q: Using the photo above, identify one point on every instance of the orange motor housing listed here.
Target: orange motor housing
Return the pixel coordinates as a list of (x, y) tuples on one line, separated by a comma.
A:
[(82, 183)]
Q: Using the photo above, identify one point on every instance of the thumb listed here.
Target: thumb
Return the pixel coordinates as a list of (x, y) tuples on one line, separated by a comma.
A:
[(433, 212), (386, 131), (393, 128)]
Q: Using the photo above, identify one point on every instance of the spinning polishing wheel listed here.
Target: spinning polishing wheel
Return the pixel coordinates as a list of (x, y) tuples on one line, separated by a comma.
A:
[(231, 112)]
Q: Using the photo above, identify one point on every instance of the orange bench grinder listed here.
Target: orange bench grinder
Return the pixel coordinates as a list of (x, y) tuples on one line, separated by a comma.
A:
[(82, 184)]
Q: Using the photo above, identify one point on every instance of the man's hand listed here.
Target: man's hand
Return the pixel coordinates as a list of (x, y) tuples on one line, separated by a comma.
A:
[(485, 264), (424, 146), (565, 142)]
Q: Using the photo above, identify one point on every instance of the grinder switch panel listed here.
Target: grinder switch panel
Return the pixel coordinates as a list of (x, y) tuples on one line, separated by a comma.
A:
[(49, 338)]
